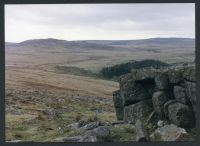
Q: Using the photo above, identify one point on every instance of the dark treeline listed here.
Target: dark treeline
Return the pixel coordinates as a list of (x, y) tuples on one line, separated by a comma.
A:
[(120, 69)]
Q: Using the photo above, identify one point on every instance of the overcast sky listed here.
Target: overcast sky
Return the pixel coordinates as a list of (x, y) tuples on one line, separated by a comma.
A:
[(99, 21)]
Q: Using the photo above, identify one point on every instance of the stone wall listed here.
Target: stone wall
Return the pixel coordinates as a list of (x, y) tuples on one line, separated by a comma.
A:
[(167, 92)]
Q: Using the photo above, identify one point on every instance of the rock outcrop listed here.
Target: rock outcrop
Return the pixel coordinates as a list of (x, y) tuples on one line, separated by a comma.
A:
[(168, 92)]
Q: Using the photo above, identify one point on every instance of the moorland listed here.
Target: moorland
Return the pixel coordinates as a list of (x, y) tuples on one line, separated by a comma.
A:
[(53, 83)]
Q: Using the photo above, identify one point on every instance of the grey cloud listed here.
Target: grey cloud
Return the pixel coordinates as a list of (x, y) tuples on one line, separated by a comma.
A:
[(144, 18)]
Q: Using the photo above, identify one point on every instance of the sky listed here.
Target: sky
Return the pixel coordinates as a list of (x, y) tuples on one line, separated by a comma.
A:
[(99, 21)]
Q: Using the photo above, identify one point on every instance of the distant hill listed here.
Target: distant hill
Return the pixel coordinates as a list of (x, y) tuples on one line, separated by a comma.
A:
[(55, 43), (153, 44), (9, 43), (151, 41)]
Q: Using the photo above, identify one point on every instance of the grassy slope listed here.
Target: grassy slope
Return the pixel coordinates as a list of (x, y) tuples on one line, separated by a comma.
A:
[(33, 123), (70, 97)]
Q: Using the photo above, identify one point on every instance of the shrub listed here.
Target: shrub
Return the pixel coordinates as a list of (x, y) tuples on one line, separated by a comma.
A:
[(120, 69)]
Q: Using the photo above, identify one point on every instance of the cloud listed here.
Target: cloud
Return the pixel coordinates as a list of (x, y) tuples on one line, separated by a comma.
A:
[(98, 21)]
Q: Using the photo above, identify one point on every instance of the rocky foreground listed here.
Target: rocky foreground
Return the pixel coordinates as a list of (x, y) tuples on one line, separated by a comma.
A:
[(153, 104), (162, 100)]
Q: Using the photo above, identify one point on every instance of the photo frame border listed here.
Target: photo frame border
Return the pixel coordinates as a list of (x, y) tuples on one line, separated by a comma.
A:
[(2, 72)]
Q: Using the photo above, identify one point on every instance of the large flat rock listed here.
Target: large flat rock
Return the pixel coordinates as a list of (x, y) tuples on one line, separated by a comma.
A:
[(140, 110), (170, 133), (181, 115), (159, 99)]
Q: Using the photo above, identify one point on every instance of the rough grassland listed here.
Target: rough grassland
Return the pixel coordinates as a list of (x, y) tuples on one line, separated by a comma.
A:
[(40, 105)]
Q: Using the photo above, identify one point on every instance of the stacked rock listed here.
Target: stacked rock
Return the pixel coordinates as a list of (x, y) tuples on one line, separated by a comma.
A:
[(118, 104), (169, 92)]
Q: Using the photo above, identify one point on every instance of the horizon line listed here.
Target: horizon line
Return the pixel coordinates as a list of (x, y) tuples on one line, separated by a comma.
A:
[(101, 39)]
